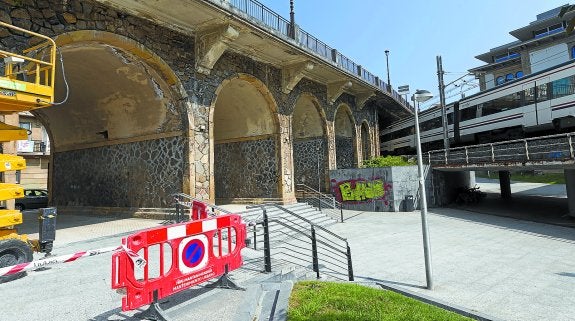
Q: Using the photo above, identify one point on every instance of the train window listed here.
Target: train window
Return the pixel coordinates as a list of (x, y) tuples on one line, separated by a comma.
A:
[(502, 104), (500, 80), (563, 87), (450, 118), (519, 74), (431, 124), (542, 93), (529, 96), (468, 113)]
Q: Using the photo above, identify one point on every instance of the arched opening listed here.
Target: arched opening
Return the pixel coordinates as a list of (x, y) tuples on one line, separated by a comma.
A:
[(344, 138), (245, 142), (365, 141), (117, 140), (309, 143)]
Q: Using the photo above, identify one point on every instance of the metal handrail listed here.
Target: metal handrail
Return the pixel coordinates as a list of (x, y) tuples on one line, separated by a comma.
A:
[(259, 12)]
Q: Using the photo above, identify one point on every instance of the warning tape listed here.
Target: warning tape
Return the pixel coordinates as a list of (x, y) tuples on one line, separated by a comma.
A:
[(138, 261)]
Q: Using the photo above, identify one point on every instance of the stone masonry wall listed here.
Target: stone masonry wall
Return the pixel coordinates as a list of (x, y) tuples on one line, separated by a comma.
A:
[(344, 152), (246, 169), (308, 154), (141, 174)]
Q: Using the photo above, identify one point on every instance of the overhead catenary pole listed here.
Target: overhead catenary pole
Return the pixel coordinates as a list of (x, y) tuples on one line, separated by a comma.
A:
[(442, 106), (291, 20)]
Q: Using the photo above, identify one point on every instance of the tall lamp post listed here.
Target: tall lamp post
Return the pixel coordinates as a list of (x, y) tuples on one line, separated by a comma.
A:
[(387, 64), (419, 97)]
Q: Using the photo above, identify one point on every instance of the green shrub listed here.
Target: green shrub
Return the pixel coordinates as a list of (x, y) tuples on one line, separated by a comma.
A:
[(386, 161)]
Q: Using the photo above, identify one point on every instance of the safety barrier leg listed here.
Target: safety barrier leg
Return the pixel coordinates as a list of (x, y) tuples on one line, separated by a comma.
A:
[(315, 260), (153, 312), (224, 282), (267, 250)]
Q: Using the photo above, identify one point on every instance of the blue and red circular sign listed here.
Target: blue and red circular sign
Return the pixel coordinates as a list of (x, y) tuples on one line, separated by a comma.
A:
[(193, 253)]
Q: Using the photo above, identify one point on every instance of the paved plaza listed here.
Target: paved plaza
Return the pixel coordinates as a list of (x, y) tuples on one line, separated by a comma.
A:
[(503, 267)]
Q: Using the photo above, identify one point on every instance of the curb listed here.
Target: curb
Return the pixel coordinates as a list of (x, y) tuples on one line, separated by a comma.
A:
[(441, 304)]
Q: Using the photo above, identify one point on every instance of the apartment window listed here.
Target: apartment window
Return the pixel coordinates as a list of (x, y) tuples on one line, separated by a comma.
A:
[(509, 77), (573, 52), (500, 80), (519, 74)]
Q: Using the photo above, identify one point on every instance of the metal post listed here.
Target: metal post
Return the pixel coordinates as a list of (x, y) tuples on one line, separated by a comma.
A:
[(255, 237), (319, 202), (349, 264), (291, 20), (387, 64), (267, 250), (315, 261), (443, 107), (570, 146), (423, 202), (466, 156), (318, 171), (526, 150), (492, 153), (178, 209), (341, 211)]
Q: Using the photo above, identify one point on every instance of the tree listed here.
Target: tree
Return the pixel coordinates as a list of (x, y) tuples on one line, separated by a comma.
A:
[(571, 24)]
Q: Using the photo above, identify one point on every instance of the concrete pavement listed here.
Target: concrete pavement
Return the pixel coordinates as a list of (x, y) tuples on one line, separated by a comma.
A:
[(507, 268)]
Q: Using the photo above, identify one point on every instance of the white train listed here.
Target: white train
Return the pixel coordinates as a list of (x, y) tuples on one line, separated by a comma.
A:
[(540, 103)]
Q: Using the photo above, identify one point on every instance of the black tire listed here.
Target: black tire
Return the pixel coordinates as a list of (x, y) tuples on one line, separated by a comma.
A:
[(14, 252), (19, 207)]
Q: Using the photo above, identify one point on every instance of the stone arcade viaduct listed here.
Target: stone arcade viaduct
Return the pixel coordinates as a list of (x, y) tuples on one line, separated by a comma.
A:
[(208, 97)]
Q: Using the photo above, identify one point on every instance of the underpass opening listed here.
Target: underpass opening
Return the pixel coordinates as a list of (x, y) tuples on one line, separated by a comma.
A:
[(117, 141), (344, 137), (365, 141), (245, 142), (309, 143)]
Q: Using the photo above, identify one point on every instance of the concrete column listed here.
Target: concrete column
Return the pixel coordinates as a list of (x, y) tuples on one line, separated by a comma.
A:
[(330, 133), (358, 146), (505, 184), (286, 184), (570, 187)]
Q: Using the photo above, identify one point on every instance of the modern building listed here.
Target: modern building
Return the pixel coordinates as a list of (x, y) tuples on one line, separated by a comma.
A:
[(540, 45)]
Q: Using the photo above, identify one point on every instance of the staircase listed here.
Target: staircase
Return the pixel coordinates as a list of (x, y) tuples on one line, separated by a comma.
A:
[(297, 247)]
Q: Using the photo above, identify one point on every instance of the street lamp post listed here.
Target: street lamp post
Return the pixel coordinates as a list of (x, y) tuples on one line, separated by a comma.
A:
[(419, 97), (387, 64)]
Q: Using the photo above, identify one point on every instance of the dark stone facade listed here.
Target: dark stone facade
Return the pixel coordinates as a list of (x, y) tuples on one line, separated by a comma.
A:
[(110, 176), (246, 169), (344, 152), (140, 174), (308, 154)]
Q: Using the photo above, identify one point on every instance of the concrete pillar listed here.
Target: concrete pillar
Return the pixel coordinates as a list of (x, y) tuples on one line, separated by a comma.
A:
[(330, 133), (505, 184), (286, 184), (570, 187)]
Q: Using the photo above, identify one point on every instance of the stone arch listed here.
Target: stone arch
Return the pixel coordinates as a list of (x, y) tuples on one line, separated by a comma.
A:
[(365, 141), (345, 149), (118, 141), (309, 139), (244, 128)]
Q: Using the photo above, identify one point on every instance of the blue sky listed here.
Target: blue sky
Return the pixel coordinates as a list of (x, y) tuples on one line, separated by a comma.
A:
[(414, 32)]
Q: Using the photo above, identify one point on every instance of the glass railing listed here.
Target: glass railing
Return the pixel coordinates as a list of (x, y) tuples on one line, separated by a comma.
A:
[(265, 16)]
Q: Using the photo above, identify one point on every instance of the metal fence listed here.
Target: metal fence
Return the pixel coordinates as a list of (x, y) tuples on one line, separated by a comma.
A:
[(554, 148), (267, 17)]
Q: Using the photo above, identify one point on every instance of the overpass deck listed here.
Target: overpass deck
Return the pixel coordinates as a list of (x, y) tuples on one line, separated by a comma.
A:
[(545, 152)]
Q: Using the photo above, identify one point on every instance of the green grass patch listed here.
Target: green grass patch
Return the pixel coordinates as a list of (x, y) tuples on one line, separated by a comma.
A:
[(330, 301), (544, 178), (386, 161)]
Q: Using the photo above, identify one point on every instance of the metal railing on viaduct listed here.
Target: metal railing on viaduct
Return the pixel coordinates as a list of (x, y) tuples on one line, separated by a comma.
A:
[(267, 17), (555, 151)]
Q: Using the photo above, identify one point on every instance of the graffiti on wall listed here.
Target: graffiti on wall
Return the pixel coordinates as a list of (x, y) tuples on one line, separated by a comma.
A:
[(362, 190)]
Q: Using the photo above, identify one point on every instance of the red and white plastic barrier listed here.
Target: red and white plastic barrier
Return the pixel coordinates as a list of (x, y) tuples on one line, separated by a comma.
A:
[(179, 256), (9, 270)]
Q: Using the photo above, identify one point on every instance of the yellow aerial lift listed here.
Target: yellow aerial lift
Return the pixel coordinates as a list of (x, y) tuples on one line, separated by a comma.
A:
[(27, 84)]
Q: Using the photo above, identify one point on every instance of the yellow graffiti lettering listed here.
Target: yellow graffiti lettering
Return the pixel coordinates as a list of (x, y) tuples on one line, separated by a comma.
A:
[(362, 190)]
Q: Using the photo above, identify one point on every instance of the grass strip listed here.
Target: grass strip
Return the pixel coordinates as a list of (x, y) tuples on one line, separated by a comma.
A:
[(330, 301)]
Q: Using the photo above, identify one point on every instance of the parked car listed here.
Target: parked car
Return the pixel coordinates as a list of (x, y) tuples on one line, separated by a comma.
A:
[(33, 198)]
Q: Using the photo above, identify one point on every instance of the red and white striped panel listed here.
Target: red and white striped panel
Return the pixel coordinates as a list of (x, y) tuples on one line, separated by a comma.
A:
[(189, 228)]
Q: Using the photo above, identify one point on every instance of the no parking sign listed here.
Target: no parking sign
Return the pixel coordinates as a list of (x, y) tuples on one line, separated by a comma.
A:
[(193, 254)]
